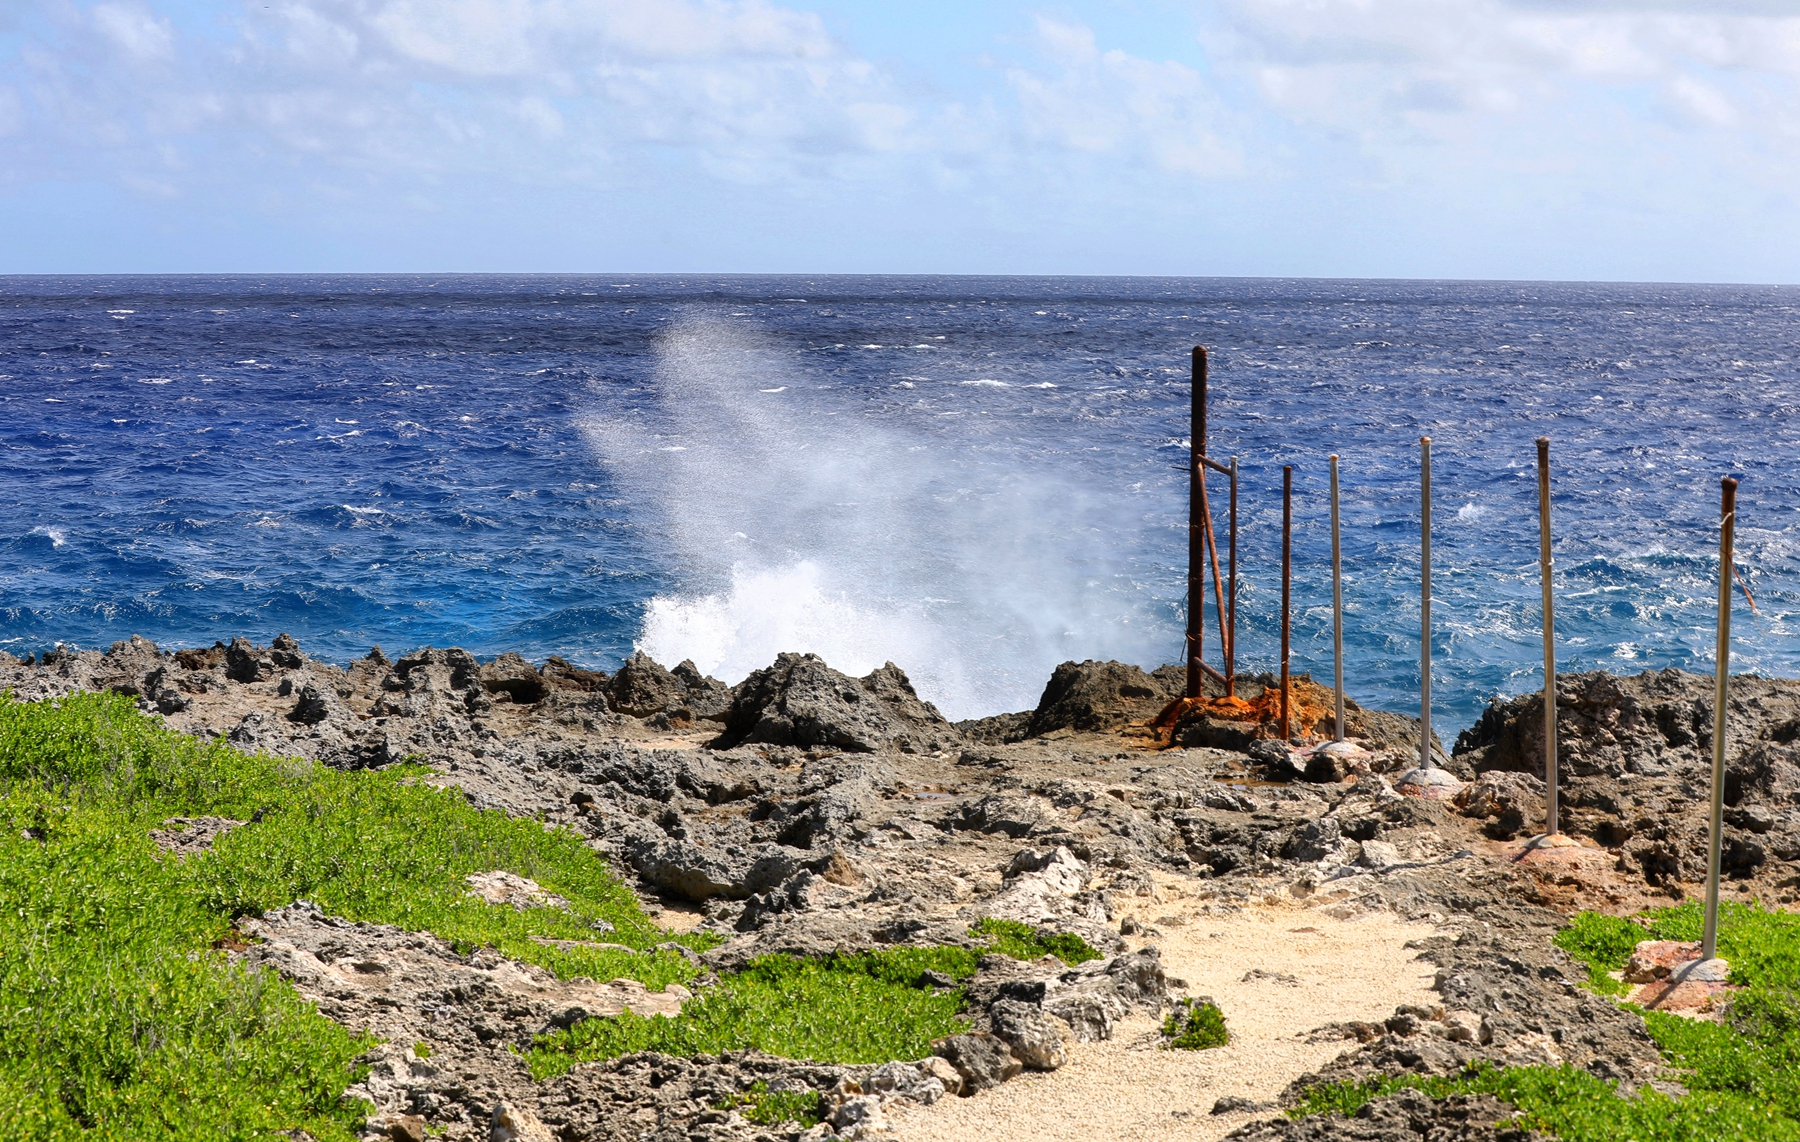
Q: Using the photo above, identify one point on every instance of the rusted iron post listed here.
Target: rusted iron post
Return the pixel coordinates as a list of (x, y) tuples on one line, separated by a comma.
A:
[(1337, 605), (1287, 549), (1709, 940), (1196, 584), (1425, 602), (1231, 593), (1544, 568)]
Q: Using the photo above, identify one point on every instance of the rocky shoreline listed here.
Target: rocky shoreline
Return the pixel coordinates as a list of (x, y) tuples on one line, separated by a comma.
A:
[(805, 811)]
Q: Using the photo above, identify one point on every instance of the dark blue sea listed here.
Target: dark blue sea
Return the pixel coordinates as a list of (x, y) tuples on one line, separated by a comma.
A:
[(976, 478)]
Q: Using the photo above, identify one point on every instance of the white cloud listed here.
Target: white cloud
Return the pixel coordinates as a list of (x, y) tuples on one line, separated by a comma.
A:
[(136, 32), (1108, 102)]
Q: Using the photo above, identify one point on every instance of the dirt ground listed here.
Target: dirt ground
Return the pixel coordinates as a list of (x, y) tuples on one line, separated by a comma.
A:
[(1277, 973)]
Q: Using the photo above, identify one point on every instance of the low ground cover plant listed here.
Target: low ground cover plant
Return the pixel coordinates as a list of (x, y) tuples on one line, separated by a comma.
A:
[(858, 1007), (765, 1107), (118, 1018), (1195, 1025), (1743, 1076)]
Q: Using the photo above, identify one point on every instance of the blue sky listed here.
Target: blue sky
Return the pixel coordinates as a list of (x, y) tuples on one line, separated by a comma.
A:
[(1570, 139)]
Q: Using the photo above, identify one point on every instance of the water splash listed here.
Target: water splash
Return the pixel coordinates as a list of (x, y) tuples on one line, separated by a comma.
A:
[(863, 528)]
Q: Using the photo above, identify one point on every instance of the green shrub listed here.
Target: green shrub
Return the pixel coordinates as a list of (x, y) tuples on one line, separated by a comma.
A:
[(1195, 1025), (765, 1107)]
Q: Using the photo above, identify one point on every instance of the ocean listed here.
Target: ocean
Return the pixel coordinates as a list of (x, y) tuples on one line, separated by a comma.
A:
[(975, 478)]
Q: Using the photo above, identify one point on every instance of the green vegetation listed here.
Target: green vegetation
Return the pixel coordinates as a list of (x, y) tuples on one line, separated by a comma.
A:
[(765, 1107), (849, 1007), (118, 1019), (838, 1010), (121, 1018), (1195, 1025), (1023, 942), (1743, 1076), (1575, 1106)]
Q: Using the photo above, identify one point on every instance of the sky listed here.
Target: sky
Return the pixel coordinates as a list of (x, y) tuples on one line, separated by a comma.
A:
[(1518, 139)]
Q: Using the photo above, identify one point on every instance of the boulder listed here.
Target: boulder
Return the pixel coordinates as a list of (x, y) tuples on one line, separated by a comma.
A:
[(904, 1080), (1647, 723), (1092, 696), (1508, 801), (704, 696), (430, 682), (699, 872), (1314, 840), (642, 687), (981, 1060), (511, 675), (800, 701), (286, 654), (558, 674), (1038, 1040), (247, 662)]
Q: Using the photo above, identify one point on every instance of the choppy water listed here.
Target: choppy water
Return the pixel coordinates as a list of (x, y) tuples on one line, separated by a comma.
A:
[(976, 478)]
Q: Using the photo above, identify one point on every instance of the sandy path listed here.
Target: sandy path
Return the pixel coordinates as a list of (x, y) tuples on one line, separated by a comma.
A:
[(1130, 1090)]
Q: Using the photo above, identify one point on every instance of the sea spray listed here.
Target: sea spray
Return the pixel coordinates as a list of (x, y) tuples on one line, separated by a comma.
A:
[(865, 525)]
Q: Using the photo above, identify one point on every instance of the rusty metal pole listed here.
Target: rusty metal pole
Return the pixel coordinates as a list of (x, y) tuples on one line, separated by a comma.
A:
[(1196, 533), (1709, 940), (1287, 549), (1551, 827), (1425, 602), (1231, 593), (1337, 605)]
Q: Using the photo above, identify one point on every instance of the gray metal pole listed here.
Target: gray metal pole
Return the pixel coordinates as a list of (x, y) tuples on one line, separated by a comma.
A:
[(1425, 603), (1337, 603), (1709, 941), (1544, 567), (1231, 593)]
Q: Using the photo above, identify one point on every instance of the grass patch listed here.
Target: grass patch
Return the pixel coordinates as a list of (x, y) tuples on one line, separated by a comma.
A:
[(1195, 1025), (1743, 1076), (765, 1107), (117, 1017)]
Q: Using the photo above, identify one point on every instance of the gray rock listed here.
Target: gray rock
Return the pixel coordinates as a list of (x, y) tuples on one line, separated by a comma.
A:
[(1510, 802), (904, 1080), (981, 1060), (642, 687), (247, 662), (511, 675), (1091, 696), (1014, 816), (1314, 841), (791, 895), (698, 872), (314, 704), (800, 701), (1038, 1040)]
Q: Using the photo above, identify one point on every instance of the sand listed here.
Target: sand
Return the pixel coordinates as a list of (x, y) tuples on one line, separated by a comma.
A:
[(1128, 1089)]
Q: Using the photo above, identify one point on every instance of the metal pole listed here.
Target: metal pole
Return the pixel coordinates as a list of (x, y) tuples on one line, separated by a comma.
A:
[(1287, 548), (1709, 941), (1425, 603), (1196, 542), (1337, 604), (1544, 567), (1231, 593)]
